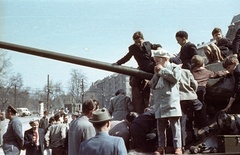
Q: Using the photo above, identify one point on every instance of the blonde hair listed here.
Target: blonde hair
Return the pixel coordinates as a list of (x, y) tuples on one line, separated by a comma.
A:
[(197, 61)]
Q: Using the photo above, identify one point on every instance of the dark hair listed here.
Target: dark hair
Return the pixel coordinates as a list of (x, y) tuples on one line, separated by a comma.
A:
[(175, 60), (182, 34), (57, 116), (51, 119), (230, 60), (137, 35), (45, 112), (87, 106), (216, 30), (99, 125), (96, 104), (131, 116), (120, 91)]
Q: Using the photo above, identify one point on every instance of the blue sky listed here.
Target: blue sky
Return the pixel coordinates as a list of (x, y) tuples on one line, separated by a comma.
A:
[(101, 30)]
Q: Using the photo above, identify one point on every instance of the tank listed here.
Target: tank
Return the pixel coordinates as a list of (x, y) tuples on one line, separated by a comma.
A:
[(218, 90)]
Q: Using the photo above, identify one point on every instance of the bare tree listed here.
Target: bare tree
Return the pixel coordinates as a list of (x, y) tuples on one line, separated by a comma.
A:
[(77, 84), (4, 64), (10, 89)]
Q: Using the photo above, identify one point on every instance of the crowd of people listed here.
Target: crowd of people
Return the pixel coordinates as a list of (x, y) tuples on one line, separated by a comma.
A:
[(178, 88)]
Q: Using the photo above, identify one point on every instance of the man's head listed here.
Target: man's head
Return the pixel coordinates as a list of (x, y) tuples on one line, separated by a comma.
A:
[(120, 91), (2, 116), (75, 115), (161, 56), (217, 34), (10, 112), (59, 116), (138, 38), (65, 118), (131, 116), (181, 37), (230, 63), (45, 113), (88, 107)]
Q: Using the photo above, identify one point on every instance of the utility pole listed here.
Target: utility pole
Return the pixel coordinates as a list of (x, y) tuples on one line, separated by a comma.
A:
[(48, 91)]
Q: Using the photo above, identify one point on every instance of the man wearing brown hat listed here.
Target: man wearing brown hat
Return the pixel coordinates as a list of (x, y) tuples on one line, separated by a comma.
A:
[(13, 138), (102, 143)]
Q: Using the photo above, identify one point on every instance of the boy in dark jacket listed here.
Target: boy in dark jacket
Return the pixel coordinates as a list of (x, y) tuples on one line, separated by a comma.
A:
[(231, 64), (224, 44)]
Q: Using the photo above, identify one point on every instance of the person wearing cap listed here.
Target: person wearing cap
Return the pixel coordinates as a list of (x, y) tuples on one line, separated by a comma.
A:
[(13, 138), (166, 98), (81, 129), (102, 143), (188, 49), (34, 139), (120, 105)]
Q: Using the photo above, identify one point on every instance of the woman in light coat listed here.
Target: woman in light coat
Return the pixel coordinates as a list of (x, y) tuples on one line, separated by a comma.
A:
[(166, 98)]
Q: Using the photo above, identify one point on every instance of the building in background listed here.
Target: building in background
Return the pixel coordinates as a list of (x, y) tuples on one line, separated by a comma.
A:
[(103, 90), (232, 29)]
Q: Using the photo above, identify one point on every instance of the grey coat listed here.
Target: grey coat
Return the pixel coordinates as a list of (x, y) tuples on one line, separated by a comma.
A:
[(188, 86), (80, 130), (167, 98), (103, 144), (13, 138), (120, 106)]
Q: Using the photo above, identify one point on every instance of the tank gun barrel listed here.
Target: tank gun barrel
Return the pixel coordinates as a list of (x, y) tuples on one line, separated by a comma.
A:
[(76, 60)]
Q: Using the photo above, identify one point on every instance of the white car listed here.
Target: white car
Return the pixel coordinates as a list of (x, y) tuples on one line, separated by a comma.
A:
[(23, 112)]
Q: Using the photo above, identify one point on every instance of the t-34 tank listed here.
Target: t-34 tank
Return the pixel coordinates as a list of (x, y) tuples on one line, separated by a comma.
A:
[(218, 90)]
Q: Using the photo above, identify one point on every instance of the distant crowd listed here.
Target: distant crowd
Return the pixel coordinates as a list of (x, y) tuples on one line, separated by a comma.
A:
[(177, 101)]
